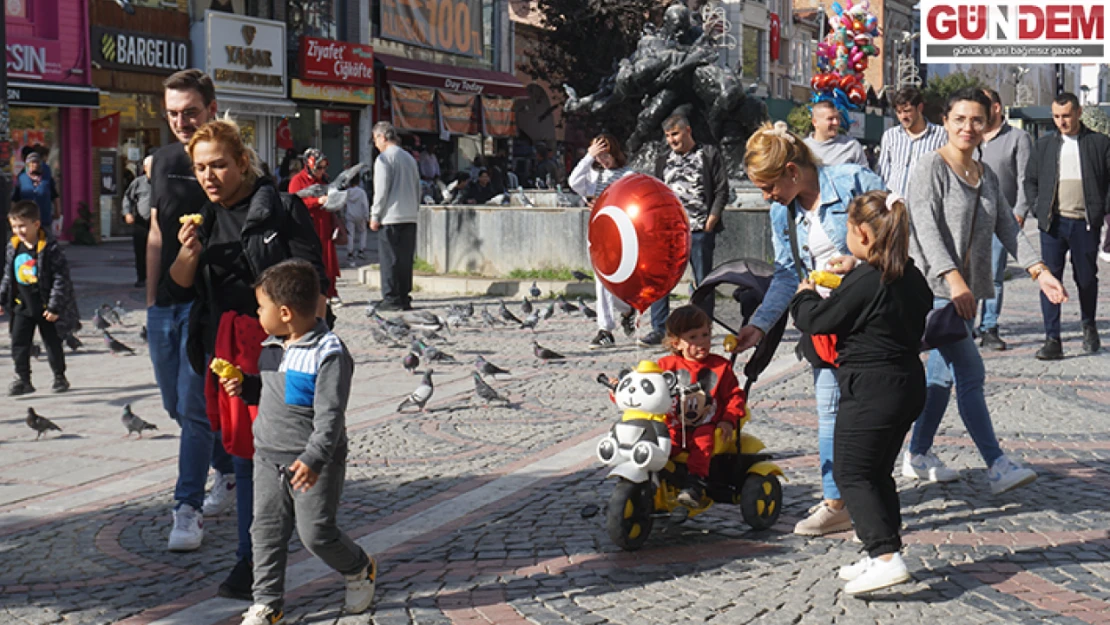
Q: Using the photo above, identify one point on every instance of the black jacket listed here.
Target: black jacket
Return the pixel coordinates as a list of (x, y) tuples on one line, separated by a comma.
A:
[(1042, 173), (55, 285), (278, 227), (716, 180)]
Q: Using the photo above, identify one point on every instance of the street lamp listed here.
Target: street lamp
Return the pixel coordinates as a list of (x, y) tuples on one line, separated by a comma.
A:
[(1086, 91)]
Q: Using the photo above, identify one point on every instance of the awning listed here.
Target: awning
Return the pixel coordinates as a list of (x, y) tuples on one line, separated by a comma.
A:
[(450, 78), (247, 105), (51, 94)]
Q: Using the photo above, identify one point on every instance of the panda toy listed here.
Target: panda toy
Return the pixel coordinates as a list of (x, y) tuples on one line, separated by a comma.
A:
[(640, 444)]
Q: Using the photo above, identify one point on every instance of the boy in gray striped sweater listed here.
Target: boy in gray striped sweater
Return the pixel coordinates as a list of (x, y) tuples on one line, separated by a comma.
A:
[(300, 441)]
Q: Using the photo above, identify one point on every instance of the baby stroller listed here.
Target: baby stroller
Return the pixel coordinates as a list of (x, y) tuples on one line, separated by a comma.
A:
[(740, 471)]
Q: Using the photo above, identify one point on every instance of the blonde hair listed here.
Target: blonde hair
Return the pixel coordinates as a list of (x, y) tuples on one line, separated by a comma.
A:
[(771, 148), (226, 133), (888, 218)]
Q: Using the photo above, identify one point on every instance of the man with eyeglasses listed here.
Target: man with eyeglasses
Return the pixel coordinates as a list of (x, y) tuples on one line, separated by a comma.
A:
[(902, 145), (1066, 182), (190, 102)]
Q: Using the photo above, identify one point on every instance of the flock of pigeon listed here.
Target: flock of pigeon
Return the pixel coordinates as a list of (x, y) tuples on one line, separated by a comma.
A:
[(419, 328), (103, 318)]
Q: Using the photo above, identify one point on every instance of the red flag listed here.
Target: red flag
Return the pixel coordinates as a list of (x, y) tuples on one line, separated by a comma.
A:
[(105, 131), (284, 135)]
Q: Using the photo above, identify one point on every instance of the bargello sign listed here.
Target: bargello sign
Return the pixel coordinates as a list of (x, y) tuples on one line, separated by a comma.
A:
[(138, 52), (1010, 31)]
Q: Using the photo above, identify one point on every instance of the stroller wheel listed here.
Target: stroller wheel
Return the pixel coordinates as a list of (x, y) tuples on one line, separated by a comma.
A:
[(761, 500)]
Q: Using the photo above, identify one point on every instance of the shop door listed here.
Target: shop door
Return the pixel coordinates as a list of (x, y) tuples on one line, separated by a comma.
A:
[(335, 140)]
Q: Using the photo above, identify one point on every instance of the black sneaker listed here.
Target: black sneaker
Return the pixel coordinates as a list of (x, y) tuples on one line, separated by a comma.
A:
[(1091, 342), (691, 495), (1051, 350), (990, 340), (19, 386), (239, 581), (602, 340), (628, 323), (61, 384), (651, 339)]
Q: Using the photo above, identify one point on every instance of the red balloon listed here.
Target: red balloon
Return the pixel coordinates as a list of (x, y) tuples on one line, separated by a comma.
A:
[(857, 94), (639, 240), (847, 81)]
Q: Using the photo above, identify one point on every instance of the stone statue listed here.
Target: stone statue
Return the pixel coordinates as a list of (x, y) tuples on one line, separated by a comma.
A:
[(674, 70)]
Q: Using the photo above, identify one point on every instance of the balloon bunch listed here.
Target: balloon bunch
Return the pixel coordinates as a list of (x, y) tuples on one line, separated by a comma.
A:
[(842, 57)]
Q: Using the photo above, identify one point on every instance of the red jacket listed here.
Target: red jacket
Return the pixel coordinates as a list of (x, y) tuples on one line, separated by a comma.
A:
[(724, 400), (238, 341)]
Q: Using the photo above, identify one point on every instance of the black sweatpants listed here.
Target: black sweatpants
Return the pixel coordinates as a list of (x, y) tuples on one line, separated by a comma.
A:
[(396, 251), (23, 333), (140, 230), (877, 408)]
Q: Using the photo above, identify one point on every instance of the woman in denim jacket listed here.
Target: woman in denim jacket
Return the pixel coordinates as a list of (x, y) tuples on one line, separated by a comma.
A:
[(815, 198)]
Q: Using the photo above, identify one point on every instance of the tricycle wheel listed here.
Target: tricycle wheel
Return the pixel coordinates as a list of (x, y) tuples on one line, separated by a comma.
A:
[(761, 500), (628, 518)]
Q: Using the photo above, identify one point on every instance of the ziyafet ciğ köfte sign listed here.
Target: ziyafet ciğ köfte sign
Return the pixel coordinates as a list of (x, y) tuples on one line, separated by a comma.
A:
[(336, 61), (1014, 31)]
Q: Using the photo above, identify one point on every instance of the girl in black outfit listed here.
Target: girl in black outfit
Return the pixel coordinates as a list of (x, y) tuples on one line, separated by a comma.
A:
[(878, 316)]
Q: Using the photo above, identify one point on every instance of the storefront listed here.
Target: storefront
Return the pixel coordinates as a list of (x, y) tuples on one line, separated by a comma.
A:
[(245, 57), (129, 67), (50, 96), (467, 108), (335, 86)]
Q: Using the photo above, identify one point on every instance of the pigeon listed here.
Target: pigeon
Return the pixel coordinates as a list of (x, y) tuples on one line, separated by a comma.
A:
[(142, 333), (372, 309), (534, 291), (133, 423), (506, 314), (526, 306), (433, 354), (587, 312), (489, 320), (74, 343), (565, 306), (111, 314), (524, 199), (411, 362), (485, 391), (421, 395), (336, 188), (486, 367), (115, 346), (422, 320), (579, 276), (99, 322), (382, 337), (548, 312), (469, 309), (40, 424), (545, 354), (430, 335), (530, 322), (455, 320), (416, 346), (127, 7)]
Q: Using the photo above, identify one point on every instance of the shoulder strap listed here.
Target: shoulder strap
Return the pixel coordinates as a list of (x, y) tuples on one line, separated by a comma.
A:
[(792, 224)]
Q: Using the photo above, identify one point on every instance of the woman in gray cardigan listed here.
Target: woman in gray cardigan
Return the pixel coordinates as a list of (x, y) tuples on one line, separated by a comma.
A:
[(955, 208)]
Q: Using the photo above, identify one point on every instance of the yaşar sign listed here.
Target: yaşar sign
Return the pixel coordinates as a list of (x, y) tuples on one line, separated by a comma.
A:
[(453, 26)]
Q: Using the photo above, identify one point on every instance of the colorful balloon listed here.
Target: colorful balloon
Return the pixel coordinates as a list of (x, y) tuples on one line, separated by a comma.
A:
[(857, 95), (639, 240)]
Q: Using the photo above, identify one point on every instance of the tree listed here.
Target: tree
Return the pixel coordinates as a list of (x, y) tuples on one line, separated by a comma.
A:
[(1095, 119), (937, 91), (800, 120), (582, 42)]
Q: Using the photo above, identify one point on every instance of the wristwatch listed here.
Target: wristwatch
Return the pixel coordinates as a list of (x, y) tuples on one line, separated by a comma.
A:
[(1036, 270)]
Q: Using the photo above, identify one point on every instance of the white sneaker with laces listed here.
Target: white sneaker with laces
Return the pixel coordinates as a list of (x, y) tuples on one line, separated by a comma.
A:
[(848, 572), (927, 467), (360, 589), (1005, 474), (188, 529), (222, 495), (1104, 257), (879, 574), (259, 614)]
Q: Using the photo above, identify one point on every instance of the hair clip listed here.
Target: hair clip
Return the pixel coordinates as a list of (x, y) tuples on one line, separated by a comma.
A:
[(892, 199), (782, 130)]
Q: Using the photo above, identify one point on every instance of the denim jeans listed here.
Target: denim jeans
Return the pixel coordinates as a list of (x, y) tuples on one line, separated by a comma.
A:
[(183, 398), (701, 262), (1071, 235), (959, 362), (827, 391), (993, 307)]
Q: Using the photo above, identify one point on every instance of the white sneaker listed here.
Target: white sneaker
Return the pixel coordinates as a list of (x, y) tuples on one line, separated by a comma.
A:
[(878, 574), (259, 614), (360, 589), (221, 497), (336, 302), (188, 529), (848, 572), (927, 467), (1005, 474), (1104, 257)]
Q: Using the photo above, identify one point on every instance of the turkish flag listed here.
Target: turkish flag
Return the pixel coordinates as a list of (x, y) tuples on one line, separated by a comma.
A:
[(776, 33), (284, 135), (105, 131)]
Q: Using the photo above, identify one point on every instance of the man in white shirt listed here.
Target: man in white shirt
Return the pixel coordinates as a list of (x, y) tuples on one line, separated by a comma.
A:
[(827, 143), (903, 144)]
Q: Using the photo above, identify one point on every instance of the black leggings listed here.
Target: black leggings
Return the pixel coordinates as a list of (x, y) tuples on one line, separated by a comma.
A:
[(877, 408)]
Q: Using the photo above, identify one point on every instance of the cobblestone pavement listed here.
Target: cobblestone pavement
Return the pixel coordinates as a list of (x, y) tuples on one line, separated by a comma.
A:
[(475, 511)]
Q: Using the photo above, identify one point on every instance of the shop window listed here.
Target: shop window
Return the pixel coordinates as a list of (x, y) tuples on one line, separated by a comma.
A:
[(752, 61), (312, 18), (489, 32)]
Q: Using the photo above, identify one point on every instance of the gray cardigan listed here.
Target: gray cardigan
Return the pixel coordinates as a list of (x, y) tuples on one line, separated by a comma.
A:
[(940, 205), (396, 188)]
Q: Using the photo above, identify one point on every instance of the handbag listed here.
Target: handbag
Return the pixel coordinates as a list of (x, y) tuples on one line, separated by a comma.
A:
[(944, 326)]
